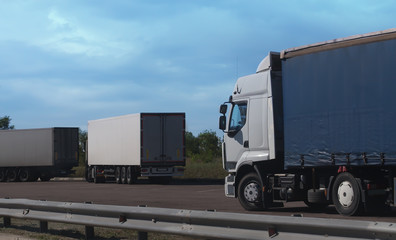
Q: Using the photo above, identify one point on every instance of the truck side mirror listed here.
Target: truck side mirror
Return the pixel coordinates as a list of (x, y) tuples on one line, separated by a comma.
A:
[(223, 108), (222, 122)]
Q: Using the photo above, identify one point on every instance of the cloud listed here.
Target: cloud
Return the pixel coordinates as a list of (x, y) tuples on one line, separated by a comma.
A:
[(67, 62), (73, 35)]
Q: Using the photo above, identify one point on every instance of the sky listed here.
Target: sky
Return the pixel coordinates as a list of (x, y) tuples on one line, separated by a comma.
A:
[(63, 63)]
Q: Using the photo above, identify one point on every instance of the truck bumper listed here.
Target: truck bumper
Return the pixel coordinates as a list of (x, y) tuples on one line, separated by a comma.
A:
[(229, 186), (162, 171)]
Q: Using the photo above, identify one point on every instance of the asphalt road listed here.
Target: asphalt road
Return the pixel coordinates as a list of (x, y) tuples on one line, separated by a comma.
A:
[(181, 194)]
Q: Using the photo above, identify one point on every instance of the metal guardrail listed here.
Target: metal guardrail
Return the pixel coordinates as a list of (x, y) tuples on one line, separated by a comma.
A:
[(205, 224)]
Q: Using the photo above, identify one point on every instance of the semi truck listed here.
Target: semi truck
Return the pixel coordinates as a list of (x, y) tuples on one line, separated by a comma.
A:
[(315, 123), (123, 148), (30, 154)]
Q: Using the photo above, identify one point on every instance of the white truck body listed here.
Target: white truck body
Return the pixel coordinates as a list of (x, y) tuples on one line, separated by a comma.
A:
[(114, 141), (33, 153), (30, 147), (142, 144)]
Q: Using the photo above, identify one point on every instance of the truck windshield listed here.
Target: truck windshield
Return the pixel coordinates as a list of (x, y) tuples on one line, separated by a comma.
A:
[(238, 117)]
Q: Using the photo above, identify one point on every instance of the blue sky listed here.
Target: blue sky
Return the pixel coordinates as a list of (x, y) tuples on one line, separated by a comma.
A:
[(66, 62)]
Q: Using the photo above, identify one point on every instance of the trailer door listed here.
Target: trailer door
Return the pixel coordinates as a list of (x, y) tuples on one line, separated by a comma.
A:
[(173, 138), (162, 139), (151, 139)]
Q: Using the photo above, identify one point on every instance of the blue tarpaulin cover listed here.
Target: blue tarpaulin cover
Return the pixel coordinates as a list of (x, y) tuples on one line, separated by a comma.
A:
[(340, 106)]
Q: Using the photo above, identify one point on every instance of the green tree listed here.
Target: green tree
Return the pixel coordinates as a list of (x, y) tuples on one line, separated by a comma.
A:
[(209, 145), (83, 136), (5, 123), (192, 145), (206, 147)]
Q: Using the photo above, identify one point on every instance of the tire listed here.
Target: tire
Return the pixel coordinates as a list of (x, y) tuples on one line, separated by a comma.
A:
[(346, 195), (12, 175), (130, 176), (25, 175), (250, 192), (88, 174), (2, 175), (118, 175), (123, 175)]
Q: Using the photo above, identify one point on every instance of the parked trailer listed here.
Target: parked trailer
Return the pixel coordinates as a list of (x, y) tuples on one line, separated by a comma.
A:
[(29, 154), (126, 147), (316, 124)]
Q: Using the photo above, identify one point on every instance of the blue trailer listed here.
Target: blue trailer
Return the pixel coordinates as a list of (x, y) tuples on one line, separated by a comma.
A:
[(316, 124)]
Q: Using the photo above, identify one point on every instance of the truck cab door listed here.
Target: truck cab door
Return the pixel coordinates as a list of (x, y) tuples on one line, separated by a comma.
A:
[(236, 141)]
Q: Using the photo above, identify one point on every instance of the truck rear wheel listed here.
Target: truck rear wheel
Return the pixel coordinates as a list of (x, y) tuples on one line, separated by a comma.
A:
[(118, 175), (24, 175), (12, 175), (123, 175), (131, 176), (2, 175), (346, 194), (250, 192)]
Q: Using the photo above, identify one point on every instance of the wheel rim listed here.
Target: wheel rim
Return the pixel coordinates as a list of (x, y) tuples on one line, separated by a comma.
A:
[(345, 193), (118, 175), (251, 192), (129, 177), (23, 175)]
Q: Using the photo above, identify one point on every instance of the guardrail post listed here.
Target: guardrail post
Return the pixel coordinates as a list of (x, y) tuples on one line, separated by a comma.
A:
[(6, 221), (43, 226), (142, 236), (89, 232)]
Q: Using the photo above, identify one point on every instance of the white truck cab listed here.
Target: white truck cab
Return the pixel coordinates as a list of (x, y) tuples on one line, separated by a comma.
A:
[(249, 131)]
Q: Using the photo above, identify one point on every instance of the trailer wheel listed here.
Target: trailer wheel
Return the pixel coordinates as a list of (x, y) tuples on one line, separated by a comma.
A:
[(250, 193), (131, 177), (346, 194), (12, 175), (88, 174), (24, 175), (118, 175), (123, 175), (2, 175)]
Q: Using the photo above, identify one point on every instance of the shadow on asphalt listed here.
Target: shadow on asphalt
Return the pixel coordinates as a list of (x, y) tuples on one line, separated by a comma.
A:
[(200, 181), (176, 181), (330, 210)]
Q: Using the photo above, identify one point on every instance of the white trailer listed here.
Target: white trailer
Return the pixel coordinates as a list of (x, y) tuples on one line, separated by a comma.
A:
[(29, 154), (125, 147)]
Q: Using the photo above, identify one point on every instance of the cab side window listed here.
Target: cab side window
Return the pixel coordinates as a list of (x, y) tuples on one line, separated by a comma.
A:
[(238, 116)]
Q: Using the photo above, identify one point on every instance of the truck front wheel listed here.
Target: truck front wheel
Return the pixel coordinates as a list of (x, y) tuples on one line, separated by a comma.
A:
[(346, 194), (250, 192)]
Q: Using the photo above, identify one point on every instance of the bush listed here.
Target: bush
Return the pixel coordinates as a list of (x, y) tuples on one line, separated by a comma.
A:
[(206, 147)]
